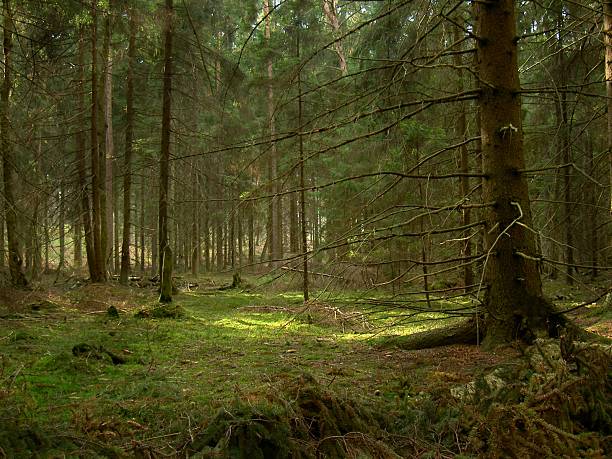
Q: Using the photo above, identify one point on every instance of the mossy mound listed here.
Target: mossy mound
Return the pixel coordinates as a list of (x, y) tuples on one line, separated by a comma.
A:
[(558, 404), (305, 421)]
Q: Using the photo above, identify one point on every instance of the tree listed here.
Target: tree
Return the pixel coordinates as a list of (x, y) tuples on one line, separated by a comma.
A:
[(516, 307), (98, 270), (18, 278), (165, 262), (129, 139)]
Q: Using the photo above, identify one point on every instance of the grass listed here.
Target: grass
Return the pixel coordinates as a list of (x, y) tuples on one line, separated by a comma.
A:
[(179, 372)]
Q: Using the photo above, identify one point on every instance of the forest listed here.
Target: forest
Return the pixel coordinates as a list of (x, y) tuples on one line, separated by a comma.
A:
[(306, 229)]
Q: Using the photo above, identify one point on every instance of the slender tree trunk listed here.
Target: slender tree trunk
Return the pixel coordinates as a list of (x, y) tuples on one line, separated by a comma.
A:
[(85, 211), (78, 244), (251, 236), (564, 149), (98, 273), (206, 230), (275, 209), (143, 242), (164, 163), (18, 278), (515, 304), (127, 164), (109, 142), (2, 246), (607, 10), (302, 194), (329, 8), (466, 249), (62, 227)]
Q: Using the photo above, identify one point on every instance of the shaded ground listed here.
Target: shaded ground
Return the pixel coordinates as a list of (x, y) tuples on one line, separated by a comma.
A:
[(170, 377)]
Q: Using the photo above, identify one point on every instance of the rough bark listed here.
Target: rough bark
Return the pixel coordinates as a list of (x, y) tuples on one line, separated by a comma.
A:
[(127, 164), (515, 304), (18, 278)]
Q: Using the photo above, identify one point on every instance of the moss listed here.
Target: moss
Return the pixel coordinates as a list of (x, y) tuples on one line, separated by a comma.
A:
[(164, 311)]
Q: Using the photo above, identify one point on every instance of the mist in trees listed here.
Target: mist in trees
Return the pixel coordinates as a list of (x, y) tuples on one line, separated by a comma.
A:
[(408, 150)]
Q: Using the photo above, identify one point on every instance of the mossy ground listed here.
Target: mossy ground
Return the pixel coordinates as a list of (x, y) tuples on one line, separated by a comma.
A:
[(177, 373)]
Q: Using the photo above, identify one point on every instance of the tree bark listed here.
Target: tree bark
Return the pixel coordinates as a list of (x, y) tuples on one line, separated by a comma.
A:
[(607, 14), (165, 295), (466, 249), (275, 227), (85, 210), (329, 8), (18, 278), (127, 164), (109, 144), (164, 163), (515, 304), (98, 274)]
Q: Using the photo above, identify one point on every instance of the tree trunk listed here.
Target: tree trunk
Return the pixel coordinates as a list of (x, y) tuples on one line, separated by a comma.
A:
[(329, 8), (164, 163), (98, 273), (165, 295), (564, 149), (129, 138), (466, 249), (302, 194), (109, 141), (18, 278), (62, 227), (85, 211), (78, 250), (607, 35), (515, 303)]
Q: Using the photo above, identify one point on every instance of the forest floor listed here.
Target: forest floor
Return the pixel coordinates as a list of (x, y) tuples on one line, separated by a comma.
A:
[(78, 379)]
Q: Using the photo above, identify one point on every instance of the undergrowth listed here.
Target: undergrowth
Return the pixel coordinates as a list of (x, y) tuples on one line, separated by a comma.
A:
[(102, 371)]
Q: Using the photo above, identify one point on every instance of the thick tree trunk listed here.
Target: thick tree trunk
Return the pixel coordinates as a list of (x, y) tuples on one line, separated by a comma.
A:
[(516, 307), (164, 163), (129, 138), (18, 278)]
